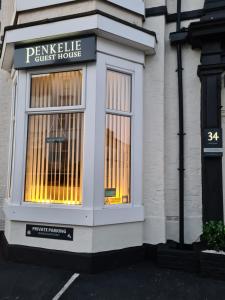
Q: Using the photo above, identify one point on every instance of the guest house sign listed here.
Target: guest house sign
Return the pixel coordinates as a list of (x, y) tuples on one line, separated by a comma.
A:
[(56, 53)]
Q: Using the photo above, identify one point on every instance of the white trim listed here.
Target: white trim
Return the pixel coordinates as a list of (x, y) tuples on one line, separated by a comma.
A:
[(105, 62), (20, 138), (52, 110), (133, 5), (137, 6), (97, 24), (213, 150), (120, 51), (50, 214), (12, 134)]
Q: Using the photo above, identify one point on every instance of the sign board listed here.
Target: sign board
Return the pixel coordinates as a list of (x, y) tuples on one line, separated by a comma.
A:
[(49, 232), (213, 138), (110, 192), (213, 142), (57, 139), (56, 53)]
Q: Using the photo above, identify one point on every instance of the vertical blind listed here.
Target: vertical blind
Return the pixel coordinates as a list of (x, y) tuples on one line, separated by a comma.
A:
[(54, 162), (56, 89), (118, 91), (118, 139)]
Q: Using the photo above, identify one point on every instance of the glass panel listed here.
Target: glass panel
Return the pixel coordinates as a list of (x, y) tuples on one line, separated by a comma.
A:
[(54, 159), (56, 89), (117, 159), (118, 91)]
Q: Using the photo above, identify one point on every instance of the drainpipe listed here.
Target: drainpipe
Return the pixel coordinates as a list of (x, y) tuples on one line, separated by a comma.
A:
[(181, 128)]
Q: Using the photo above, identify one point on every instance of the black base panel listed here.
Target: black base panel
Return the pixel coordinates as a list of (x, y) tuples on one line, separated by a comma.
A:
[(178, 259), (212, 265), (170, 256), (78, 262), (150, 252)]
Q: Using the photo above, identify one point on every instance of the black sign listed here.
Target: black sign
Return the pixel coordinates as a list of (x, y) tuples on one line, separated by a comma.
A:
[(49, 232), (213, 138), (56, 53), (111, 192), (57, 139)]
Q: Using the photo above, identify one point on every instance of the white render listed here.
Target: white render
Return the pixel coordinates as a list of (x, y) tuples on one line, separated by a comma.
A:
[(86, 239), (134, 5), (160, 184)]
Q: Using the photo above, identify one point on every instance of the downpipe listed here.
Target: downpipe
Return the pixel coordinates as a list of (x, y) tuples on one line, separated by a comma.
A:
[(181, 128)]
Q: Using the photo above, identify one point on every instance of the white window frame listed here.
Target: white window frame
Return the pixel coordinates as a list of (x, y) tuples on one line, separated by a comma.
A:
[(92, 212), (123, 114), (50, 110), (21, 130), (106, 62), (12, 135)]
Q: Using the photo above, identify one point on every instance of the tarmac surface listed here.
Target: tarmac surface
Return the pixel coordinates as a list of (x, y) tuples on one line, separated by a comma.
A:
[(142, 281)]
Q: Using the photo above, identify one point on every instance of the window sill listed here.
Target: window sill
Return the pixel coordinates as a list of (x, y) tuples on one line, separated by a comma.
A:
[(73, 215)]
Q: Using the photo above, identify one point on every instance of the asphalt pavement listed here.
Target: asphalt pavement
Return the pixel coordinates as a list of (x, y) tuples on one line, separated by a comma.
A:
[(141, 281)]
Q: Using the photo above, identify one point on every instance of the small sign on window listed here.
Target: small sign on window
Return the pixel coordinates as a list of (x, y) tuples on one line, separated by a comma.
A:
[(111, 192)]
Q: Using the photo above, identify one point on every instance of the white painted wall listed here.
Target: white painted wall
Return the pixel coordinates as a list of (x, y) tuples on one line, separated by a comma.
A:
[(160, 185), (5, 104), (86, 239), (192, 88), (186, 5), (5, 100), (154, 138), (134, 5), (77, 7)]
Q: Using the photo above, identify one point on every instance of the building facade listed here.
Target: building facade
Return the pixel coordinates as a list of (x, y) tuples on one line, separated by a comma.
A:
[(110, 123)]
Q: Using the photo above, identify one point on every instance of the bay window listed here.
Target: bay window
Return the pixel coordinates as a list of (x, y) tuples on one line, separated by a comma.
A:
[(79, 144)]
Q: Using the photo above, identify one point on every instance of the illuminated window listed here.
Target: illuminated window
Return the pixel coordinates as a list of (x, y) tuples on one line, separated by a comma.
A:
[(118, 138), (54, 162)]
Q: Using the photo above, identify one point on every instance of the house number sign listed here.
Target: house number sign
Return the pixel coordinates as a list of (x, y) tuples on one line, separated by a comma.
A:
[(61, 52), (213, 142), (213, 138)]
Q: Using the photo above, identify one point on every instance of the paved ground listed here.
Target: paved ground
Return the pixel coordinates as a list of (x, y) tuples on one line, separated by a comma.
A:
[(25, 282), (143, 281)]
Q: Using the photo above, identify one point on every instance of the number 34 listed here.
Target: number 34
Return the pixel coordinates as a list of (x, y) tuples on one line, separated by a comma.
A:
[(213, 136)]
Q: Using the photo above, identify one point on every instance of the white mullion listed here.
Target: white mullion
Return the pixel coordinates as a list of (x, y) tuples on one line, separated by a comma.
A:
[(77, 157), (52, 110), (72, 158)]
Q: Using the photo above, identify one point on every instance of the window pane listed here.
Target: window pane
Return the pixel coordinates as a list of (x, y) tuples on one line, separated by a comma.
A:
[(54, 162), (56, 89), (117, 159), (118, 91)]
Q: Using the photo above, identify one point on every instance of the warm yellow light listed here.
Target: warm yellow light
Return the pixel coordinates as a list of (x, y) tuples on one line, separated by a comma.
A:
[(54, 195)]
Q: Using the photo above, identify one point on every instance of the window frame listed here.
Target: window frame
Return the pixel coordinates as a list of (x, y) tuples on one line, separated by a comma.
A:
[(29, 111), (12, 135), (55, 109), (108, 62), (122, 114)]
